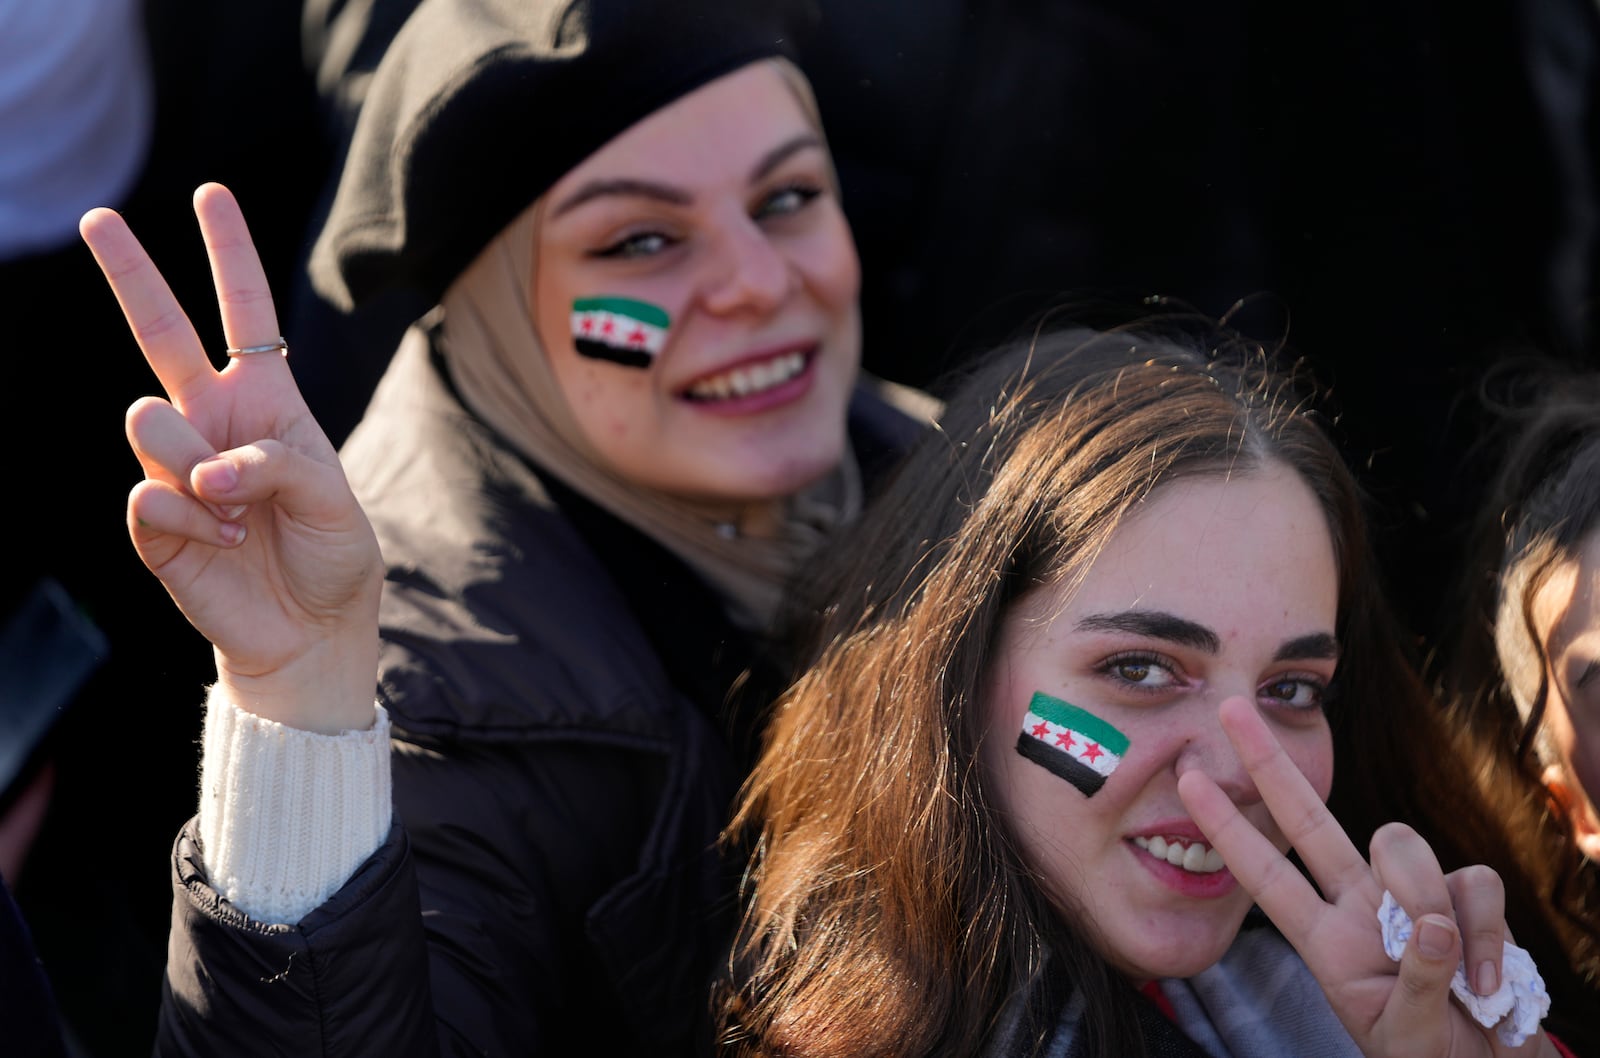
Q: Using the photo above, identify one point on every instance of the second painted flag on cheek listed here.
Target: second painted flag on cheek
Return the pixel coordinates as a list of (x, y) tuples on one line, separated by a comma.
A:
[(621, 330)]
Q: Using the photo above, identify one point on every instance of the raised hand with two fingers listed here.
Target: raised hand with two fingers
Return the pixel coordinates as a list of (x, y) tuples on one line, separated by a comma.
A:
[(245, 514), (1389, 1008)]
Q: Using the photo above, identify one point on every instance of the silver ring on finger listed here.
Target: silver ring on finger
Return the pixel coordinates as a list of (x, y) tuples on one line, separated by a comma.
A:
[(280, 346)]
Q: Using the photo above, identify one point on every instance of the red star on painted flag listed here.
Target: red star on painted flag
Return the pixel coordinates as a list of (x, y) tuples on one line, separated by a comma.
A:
[(608, 328), (1064, 740), (637, 337), (1041, 729), (1094, 753), (588, 325)]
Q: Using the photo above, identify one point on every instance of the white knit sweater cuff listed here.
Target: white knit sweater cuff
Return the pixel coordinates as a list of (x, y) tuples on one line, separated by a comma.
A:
[(286, 816)]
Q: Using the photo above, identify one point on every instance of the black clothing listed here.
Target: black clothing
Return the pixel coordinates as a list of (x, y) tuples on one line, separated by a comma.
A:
[(565, 756)]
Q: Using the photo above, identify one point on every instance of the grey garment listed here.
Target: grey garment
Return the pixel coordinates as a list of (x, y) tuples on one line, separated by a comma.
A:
[(1259, 1001)]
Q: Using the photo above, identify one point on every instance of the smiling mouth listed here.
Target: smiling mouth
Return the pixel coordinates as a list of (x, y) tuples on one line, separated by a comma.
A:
[(748, 379), (1193, 856)]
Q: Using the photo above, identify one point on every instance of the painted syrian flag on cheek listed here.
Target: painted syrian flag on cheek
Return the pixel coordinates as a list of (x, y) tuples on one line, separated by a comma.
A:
[(1071, 743), (621, 330)]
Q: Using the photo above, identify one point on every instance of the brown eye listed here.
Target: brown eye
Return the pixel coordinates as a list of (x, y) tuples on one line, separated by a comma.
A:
[(1141, 672), (1134, 671), (1295, 693)]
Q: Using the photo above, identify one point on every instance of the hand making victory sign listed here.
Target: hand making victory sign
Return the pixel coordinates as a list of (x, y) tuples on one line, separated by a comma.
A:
[(1388, 1008), (245, 514)]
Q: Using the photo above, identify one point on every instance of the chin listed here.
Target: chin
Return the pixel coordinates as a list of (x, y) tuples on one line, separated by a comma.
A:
[(1194, 960), (775, 479), (1178, 950), (1179, 962)]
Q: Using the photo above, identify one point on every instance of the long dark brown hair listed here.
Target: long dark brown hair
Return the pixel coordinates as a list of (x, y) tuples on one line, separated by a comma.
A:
[(1544, 501), (888, 911)]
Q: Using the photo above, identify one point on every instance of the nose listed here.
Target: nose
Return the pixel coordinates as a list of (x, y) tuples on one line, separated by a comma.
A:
[(1208, 750), (748, 272)]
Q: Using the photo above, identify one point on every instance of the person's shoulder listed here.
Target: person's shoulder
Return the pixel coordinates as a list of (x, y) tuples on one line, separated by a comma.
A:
[(879, 399), (499, 620), (886, 419), (519, 634)]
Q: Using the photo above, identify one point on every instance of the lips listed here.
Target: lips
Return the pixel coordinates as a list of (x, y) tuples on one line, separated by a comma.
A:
[(1191, 855), (750, 377)]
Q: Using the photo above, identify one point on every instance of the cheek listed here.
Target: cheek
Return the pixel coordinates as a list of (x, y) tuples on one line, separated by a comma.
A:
[(828, 261), (1577, 739), (1003, 766), (609, 402), (1312, 753)]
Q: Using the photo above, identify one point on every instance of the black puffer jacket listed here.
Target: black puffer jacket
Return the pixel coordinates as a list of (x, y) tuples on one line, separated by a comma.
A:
[(563, 762)]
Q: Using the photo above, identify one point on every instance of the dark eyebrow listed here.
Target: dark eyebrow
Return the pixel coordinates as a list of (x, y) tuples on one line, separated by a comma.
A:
[(1156, 625), (636, 188), (1174, 629), (782, 152), (1315, 645)]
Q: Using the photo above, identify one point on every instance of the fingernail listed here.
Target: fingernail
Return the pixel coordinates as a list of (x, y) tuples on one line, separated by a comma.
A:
[(215, 475), (232, 533), (234, 513), (1488, 979), (1434, 937)]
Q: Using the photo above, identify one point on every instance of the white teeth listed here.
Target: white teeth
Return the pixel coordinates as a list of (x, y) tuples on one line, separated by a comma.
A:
[(752, 378), (1195, 856)]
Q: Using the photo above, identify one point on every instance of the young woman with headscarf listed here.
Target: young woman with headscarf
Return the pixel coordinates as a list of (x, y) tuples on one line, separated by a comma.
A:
[(632, 417)]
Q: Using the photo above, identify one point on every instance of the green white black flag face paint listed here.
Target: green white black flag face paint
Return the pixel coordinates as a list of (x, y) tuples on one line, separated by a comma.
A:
[(621, 330), (1071, 743)]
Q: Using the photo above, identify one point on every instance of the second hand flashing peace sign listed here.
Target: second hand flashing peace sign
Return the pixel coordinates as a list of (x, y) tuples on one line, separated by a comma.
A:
[(245, 514), (1388, 1009)]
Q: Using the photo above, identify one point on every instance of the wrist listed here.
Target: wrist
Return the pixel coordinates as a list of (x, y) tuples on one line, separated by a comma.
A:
[(328, 689)]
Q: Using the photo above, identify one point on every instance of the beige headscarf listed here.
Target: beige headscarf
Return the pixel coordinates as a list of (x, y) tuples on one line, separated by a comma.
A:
[(500, 369)]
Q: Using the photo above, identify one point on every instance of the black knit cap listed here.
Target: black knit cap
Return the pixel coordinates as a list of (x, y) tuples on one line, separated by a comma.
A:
[(479, 106)]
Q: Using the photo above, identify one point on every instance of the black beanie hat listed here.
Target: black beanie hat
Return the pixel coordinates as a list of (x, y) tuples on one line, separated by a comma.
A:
[(479, 106)]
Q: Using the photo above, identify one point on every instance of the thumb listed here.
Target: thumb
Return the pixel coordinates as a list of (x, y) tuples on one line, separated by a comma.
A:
[(1417, 1016)]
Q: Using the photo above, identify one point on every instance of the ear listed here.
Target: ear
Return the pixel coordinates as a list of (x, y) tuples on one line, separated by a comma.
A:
[(1578, 809)]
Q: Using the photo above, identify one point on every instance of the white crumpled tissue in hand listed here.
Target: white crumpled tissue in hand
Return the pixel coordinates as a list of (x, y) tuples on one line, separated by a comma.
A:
[(1521, 994)]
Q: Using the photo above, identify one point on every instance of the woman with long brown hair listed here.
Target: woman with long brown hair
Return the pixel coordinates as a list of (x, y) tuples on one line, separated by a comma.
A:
[(1101, 654)]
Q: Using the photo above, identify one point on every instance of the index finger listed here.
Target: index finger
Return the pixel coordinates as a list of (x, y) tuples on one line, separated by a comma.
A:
[(249, 319), (1299, 811), (159, 325), (1270, 879)]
